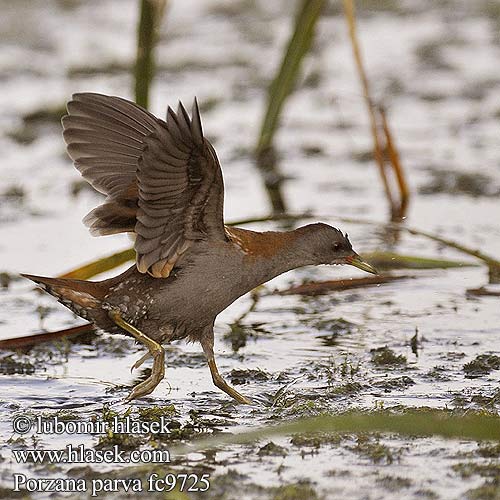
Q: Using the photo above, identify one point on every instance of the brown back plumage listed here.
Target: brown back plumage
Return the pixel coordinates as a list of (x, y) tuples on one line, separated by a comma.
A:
[(162, 179)]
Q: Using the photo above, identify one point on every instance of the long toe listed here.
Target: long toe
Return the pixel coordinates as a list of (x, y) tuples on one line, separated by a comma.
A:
[(140, 361), (143, 389), (243, 399), (149, 385), (224, 386), (140, 390)]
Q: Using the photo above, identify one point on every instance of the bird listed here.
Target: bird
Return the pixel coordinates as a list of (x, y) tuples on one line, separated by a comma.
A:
[(163, 183)]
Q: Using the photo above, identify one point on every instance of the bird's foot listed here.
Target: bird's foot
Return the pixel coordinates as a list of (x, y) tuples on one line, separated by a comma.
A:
[(224, 386), (157, 373), (241, 399)]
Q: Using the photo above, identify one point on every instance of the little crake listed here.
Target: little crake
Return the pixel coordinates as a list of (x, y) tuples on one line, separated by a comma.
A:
[(163, 182)]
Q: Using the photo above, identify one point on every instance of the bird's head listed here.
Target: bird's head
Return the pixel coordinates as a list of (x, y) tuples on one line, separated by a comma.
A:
[(328, 245)]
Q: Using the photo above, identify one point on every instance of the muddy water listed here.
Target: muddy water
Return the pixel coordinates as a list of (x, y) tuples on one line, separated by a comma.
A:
[(435, 67)]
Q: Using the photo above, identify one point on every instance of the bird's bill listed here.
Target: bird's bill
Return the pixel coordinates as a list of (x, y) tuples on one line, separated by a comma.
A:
[(356, 261)]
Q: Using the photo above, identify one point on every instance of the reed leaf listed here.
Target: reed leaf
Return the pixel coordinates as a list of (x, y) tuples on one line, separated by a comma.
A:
[(100, 265), (492, 263), (28, 341), (392, 260), (280, 88), (350, 16), (418, 423), (313, 288), (283, 83), (150, 15), (379, 127), (384, 260)]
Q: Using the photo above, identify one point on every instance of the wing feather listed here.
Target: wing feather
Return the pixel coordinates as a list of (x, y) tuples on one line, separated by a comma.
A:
[(162, 178)]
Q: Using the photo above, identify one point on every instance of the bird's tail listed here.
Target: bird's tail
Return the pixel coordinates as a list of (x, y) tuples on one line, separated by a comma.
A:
[(77, 295)]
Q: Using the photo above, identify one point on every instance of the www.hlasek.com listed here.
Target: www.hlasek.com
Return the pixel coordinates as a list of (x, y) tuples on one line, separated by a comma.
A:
[(83, 455), (78, 454)]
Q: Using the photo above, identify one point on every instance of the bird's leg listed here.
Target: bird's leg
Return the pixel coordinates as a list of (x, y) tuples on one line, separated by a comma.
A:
[(208, 348), (155, 350)]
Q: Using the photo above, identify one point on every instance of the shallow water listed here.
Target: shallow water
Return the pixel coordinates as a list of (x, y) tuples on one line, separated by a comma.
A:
[(436, 69)]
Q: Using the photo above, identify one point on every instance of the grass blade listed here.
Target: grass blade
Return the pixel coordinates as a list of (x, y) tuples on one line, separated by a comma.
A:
[(380, 150), (392, 260), (283, 83), (492, 263), (393, 155), (380, 259), (151, 13), (350, 14), (322, 287), (418, 423), (280, 88), (37, 338), (100, 265)]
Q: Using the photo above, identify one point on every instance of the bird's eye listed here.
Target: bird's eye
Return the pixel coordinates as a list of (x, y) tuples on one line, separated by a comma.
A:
[(336, 247)]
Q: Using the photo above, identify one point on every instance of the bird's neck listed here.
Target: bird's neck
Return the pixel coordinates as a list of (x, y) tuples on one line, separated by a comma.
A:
[(272, 253), (292, 255)]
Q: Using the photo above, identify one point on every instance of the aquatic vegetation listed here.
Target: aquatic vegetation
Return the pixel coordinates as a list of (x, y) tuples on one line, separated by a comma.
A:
[(384, 356), (482, 365)]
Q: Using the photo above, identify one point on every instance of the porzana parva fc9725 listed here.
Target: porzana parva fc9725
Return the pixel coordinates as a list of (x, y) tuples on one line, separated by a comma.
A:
[(163, 183)]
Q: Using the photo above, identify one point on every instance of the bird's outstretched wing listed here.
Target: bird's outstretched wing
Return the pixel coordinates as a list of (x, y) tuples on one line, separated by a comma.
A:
[(162, 179)]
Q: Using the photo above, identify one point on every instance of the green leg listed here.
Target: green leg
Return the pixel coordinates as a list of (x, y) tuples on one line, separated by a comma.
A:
[(155, 350)]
